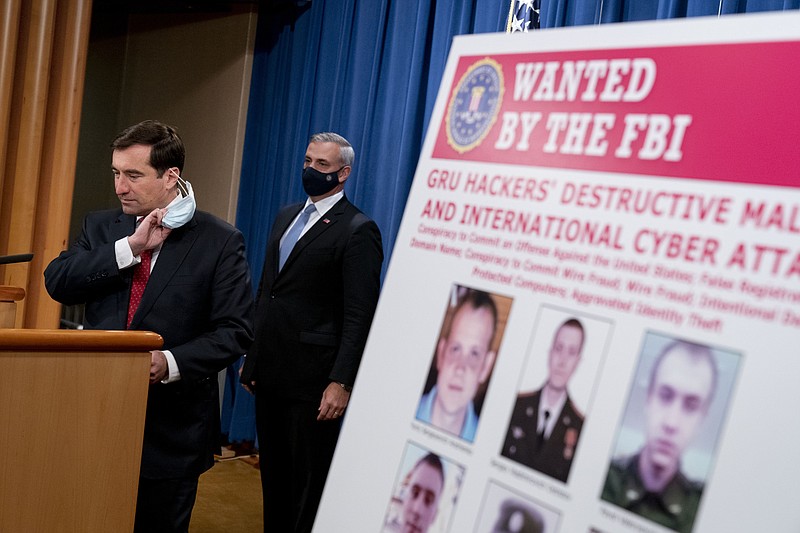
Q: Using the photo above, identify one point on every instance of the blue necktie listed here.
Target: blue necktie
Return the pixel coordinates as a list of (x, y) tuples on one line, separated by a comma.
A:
[(294, 234)]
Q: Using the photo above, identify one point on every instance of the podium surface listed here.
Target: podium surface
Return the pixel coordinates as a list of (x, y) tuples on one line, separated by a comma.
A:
[(9, 296), (72, 409)]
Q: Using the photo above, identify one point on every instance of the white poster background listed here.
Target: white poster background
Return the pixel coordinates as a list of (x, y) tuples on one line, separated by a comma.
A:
[(752, 479)]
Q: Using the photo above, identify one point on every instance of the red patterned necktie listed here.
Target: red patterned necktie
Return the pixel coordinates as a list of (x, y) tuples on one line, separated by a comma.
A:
[(141, 274)]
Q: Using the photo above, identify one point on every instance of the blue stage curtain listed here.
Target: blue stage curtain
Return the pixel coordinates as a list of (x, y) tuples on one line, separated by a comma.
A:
[(370, 70), (238, 408)]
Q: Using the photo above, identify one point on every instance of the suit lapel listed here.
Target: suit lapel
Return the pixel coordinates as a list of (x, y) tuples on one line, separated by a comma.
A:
[(122, 226), (323, 224), (170, 258), (282, 221)]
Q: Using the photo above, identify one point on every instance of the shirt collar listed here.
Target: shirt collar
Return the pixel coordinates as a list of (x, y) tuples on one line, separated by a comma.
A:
[(326, 203)]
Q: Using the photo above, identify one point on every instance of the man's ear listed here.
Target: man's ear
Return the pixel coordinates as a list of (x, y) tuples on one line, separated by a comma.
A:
[(344, 173), (171, 175), (487, 365)]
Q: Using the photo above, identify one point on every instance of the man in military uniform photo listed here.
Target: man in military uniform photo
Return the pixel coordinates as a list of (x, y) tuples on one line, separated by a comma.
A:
[(650, 483), (545, 424)]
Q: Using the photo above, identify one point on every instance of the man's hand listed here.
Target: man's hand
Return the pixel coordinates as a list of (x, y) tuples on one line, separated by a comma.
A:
[(158, 367), (249, 387), (150, 234), (334, 401)]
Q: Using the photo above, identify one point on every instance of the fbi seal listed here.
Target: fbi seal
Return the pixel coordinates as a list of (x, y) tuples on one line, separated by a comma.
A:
[(474, 105)]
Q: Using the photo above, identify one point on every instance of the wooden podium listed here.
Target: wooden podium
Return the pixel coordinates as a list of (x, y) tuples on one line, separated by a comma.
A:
[(72, 408), (9, 296)]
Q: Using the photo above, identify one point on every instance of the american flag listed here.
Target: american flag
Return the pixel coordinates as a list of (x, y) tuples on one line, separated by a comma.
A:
[(523, 15)]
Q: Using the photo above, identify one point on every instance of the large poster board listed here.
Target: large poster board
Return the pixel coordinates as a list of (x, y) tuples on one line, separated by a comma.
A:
[(591, 320)]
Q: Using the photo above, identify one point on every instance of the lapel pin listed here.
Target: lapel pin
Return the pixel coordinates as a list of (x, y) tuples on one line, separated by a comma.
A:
[(326, 220)]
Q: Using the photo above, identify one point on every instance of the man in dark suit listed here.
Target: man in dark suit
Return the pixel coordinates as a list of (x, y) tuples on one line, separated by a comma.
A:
[(545, 424), (198, 297), (314, 309)]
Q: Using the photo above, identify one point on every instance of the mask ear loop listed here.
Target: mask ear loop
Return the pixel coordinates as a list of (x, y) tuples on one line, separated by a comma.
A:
[(181, 183), (182, 187)]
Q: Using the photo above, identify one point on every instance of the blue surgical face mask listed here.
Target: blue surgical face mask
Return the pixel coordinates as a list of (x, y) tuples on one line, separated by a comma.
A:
[(182, 210)]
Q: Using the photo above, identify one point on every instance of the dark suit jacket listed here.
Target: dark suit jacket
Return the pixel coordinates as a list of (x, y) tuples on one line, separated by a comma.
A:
[(313, 317), (198, 298), (554, 457)]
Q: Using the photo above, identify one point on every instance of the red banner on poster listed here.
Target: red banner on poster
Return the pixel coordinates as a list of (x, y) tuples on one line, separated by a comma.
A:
[(664, 111)]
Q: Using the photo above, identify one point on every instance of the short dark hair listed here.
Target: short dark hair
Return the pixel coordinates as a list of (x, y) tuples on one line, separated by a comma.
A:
[(432, 460), (573, 323), (167, 148), (696, 352), (474, 299)]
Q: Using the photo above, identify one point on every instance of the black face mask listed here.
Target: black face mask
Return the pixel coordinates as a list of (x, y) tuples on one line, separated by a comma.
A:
[(316, 183)]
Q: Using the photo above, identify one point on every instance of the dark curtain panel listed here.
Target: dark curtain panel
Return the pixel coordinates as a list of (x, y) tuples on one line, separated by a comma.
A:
[(370, 70)]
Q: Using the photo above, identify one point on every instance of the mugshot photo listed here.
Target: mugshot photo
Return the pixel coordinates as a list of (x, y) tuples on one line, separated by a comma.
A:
[(463, 359), (555, 390), (665, 446), (506, 511), (425, 493)]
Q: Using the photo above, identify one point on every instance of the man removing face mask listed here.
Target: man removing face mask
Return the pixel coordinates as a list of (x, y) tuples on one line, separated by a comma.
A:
[(181, 209), (159, 264)]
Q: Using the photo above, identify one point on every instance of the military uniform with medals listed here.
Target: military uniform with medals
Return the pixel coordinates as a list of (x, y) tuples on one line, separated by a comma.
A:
[(551, 456)]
